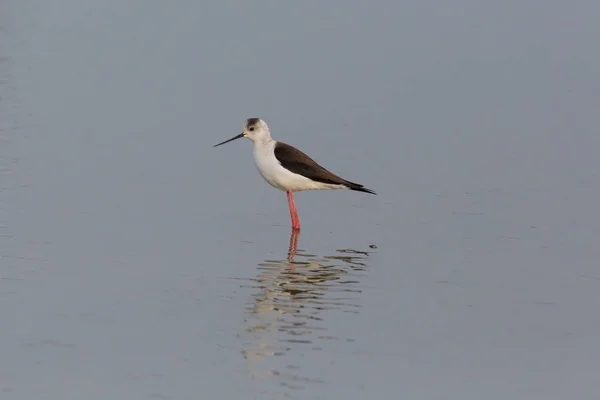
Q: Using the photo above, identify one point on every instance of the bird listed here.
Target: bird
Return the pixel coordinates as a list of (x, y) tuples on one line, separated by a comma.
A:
[(288, 169)]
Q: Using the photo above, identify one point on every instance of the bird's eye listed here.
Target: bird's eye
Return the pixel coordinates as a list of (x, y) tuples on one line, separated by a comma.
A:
[(251, 129)]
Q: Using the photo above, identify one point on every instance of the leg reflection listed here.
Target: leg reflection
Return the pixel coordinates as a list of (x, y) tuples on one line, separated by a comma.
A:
[(293, 249)]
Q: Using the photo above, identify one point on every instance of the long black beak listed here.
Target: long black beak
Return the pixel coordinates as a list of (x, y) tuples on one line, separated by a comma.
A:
[(241, 135)]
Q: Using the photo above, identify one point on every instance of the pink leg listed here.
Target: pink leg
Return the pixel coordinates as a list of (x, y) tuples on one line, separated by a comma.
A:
[(291, 207), (296, 212), (293, 211)]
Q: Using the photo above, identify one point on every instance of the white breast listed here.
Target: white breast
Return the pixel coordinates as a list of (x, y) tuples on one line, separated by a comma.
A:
[(277, 176)]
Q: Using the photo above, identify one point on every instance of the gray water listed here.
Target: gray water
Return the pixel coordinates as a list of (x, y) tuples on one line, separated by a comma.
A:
[(139, 262)]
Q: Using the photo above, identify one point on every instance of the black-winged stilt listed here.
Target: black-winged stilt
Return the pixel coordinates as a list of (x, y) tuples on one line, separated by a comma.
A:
[(287, 168)]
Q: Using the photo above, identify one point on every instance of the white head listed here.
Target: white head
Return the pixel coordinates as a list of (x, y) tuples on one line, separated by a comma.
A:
[(254, 129)]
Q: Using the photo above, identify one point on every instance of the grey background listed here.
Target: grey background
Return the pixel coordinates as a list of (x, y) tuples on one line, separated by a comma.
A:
[(138, 262)]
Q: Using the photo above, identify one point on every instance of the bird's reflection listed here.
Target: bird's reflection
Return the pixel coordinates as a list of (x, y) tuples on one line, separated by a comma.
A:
[(287, 317)]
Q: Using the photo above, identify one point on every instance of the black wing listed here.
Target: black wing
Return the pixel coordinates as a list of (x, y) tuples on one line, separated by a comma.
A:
[(299, 163)]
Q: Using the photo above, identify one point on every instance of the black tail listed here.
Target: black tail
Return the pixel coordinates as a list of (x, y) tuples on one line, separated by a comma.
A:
[(359, 188)]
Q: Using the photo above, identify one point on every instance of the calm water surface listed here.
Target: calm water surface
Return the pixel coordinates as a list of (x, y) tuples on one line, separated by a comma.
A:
[(138, 262)]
